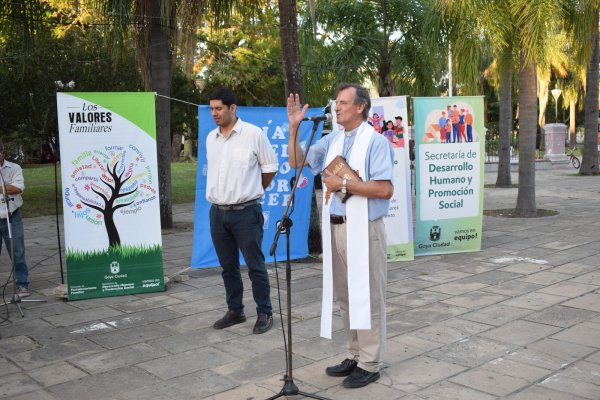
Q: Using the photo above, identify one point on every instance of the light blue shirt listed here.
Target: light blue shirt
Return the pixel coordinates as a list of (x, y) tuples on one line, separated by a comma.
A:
[(379, 167)]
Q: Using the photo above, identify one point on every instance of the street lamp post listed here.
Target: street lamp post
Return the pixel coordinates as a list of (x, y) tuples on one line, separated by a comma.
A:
[(556, 94)]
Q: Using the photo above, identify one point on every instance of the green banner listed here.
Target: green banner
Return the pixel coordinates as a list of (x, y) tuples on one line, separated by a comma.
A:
[(110, 194), (449, 146)]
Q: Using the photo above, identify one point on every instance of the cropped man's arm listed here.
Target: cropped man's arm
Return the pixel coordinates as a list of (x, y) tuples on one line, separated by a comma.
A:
[(267, 178), (370, 189), (10, 189)]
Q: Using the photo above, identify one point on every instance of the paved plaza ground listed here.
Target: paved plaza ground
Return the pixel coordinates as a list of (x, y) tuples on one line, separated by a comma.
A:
[(518, 320)]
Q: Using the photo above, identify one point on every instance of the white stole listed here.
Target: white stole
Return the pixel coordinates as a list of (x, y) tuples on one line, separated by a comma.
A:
[(357, 229)]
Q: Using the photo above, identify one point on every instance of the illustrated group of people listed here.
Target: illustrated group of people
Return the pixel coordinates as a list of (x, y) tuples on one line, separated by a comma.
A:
[(456, 125), (394, 132), (241, 164)]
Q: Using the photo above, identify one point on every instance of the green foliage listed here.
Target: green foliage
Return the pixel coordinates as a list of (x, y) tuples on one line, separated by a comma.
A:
[(184, 117), (377, 41), (245, 56), (30, 76)]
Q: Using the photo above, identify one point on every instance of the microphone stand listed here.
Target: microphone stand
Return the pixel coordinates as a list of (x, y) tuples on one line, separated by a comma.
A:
[(285, 225), (16, 299)]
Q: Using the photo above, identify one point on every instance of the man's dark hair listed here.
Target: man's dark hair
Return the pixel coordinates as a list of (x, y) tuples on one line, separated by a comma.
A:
[(362, 96), (224, 94)]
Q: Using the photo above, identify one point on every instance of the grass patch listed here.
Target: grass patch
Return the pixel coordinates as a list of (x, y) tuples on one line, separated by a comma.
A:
[(122, 252), (39, 197)]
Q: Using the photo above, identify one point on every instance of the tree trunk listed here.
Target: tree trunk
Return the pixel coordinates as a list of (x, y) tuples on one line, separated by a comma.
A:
[(176, 146), (527, 134), (290, 51), (543, 100), (159, 62), (505, 126), (572, 123), (386, 88), (187, 148), (292, 74), (589, 162), (114, 240)]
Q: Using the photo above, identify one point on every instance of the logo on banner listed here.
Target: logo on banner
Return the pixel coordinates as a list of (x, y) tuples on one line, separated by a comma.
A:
[(115, 268), (435, 233)]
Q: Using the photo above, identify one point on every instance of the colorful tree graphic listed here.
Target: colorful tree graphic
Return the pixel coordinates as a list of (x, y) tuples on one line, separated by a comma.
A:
[(105, 181)]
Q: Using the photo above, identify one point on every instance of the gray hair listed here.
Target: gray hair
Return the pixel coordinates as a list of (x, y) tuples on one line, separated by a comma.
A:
[(362, 96)]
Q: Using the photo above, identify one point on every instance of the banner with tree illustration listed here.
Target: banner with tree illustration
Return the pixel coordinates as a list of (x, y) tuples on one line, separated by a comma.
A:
[(449, 146), (110, 194)]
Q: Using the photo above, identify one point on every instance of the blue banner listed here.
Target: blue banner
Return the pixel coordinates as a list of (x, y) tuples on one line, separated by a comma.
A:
[(274, 123)]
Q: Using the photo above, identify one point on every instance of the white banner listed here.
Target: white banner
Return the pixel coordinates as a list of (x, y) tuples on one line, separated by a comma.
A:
[(389, 117)]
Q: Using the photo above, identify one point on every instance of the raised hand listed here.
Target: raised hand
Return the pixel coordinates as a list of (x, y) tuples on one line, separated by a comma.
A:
[(294, 110)]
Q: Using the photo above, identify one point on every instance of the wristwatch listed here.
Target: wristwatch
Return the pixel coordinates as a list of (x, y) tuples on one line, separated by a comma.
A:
[(344, 185)]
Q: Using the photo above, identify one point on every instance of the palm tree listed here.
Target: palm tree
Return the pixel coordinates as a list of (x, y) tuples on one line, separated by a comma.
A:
[(376, 39), (581, 21), (154, 23), (505, 123), (529, 21), (473, 26), (292, 72), (532, 19), (589, 162)]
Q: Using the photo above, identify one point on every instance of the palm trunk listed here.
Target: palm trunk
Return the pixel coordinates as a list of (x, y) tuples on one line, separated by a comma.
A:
[(543, 100), (589, 162), (290, 50), (292, 73), (572, 123), (527, 134), (386, 88), (160, 81), (505, 126)]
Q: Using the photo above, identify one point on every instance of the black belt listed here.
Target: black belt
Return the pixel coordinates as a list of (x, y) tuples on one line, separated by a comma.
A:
[(337, 219), (236, 207)]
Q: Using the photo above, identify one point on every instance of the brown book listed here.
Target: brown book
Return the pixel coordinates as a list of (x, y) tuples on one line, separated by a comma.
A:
[(338, 166)]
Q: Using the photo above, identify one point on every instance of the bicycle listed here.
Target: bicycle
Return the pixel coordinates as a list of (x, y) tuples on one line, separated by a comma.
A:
[(573, 159)]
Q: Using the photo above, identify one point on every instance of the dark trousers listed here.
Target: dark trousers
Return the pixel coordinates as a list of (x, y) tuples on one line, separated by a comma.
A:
[(233, 231)]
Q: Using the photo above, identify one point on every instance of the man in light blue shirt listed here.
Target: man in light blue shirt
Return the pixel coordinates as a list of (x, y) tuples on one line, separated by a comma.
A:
[(365, 150)]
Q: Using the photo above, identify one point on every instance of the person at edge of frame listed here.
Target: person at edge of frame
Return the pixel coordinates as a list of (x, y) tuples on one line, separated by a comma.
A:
[(15, 184)]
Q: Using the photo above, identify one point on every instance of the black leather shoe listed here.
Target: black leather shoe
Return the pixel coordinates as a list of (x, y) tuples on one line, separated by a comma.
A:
[(230, 318), (264, 322), (359, 378), (344, 368)]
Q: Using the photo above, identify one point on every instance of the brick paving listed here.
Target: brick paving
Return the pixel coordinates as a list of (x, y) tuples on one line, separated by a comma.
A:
[(518, 320)]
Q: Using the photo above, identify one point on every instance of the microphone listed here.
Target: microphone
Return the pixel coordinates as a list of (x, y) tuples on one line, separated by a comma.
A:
[(319, 118)]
